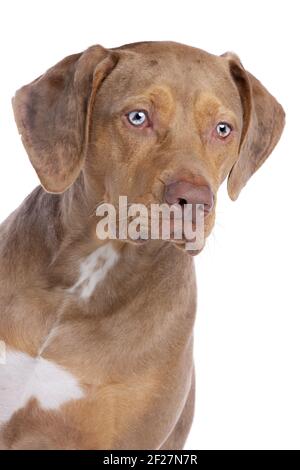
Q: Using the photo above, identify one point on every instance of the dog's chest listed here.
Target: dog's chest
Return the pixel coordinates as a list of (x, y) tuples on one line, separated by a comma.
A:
[(101, 377), (23, 378), (31, 376)]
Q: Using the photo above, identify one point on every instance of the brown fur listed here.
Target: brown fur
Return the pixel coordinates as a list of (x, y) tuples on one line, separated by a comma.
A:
[(130, 345)]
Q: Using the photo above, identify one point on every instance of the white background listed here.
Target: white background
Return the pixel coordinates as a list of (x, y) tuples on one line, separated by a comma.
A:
[(248, 328)]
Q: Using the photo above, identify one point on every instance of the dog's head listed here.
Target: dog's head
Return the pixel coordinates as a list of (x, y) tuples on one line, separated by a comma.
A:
[(157, 122)]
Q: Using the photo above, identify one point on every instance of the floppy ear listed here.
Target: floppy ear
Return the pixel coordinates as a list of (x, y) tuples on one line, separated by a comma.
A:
[(263, 123), (53, 115)]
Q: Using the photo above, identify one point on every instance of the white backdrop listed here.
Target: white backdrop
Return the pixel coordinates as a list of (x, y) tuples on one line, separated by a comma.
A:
[(247, 340)]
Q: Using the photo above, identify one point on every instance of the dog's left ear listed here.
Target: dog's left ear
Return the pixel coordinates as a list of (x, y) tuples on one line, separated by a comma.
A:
[(263, 123), (53, 115)]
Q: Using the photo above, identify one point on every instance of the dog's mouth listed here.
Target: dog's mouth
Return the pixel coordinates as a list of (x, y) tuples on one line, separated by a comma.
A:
[(181, 245), (173, 224), (191, 243)]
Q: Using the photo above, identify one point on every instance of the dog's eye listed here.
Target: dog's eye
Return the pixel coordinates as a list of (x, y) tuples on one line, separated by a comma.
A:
[(137, 118), (223, 129)]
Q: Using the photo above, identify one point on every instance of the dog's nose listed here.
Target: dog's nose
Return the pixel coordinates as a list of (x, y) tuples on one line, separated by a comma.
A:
[(182, 192)]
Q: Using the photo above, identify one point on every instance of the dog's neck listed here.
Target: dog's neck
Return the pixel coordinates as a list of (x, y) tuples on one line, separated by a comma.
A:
[(57, 236), (76, 243)]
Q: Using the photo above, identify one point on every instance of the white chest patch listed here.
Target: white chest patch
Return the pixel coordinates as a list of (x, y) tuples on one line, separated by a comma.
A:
[(94, 269), (23, 377)]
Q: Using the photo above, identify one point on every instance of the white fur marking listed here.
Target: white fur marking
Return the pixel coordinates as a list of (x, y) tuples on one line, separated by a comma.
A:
[(2, 352), (24, 377), (94, 270)]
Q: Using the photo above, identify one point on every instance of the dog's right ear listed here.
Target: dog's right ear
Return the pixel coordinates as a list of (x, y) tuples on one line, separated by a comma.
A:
[(53, 115)]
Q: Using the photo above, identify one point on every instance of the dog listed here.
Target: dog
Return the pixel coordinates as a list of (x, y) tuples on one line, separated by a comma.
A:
[(98, 334)]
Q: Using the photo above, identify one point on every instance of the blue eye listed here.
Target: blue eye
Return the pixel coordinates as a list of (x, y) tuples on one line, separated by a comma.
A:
[(137, 118), (223, 129)]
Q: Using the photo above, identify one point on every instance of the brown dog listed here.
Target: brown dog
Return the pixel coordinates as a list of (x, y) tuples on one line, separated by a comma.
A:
[(99, 335)]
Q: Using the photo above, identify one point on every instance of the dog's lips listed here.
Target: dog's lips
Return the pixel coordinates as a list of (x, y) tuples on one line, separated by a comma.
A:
[(180, 244), (137, 242)]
